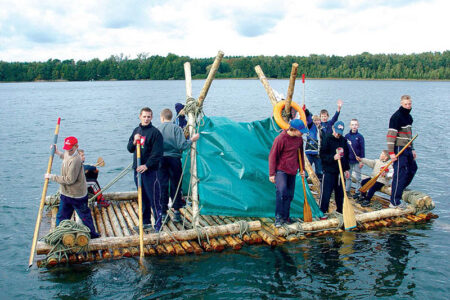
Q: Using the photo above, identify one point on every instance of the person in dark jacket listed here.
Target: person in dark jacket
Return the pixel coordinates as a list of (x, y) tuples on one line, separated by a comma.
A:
[(151, 155), (355, 143), (283, 166), (399, 134), (330, 179), (180, 119)]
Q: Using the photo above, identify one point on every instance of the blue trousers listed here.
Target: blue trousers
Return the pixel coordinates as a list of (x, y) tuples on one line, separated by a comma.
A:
[(405, 167), (331, 182), (376, 187), (66, 207), (170, 175), (151, 197), (315, 160), (285, 188)]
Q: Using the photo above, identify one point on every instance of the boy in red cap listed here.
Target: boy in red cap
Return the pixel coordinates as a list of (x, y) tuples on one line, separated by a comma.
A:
[(283, 166), (73, 187)]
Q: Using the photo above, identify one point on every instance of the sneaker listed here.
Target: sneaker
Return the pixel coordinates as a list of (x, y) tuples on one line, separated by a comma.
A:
[(176, 216), (278, 223), (324, 217), (402, 205), (145, 227), (365, 203), (356, 196), (94, 235), (288, 221)]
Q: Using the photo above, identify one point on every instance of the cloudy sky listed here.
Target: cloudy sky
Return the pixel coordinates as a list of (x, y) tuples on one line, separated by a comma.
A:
[(38, 30)]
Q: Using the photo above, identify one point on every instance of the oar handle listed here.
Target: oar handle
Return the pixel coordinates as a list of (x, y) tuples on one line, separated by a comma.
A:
[(43, 195), (341, 172), (141, 225)]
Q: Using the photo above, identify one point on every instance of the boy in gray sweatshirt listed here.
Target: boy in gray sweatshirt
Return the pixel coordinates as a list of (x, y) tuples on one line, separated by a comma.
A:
[(170, 171)]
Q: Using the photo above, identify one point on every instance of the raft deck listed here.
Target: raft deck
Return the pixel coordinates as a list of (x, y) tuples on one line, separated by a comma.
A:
[(118, 239)]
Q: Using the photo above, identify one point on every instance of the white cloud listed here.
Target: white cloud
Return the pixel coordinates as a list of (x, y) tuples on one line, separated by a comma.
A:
[(86, 29)]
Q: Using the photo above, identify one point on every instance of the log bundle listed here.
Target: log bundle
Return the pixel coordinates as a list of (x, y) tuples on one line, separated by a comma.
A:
[(119, 239)]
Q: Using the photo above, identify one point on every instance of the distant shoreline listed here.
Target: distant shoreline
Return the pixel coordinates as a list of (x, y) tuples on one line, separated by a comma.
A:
[(252, 78)]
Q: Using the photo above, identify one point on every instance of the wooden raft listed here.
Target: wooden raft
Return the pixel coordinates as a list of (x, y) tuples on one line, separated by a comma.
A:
[(118, 238)]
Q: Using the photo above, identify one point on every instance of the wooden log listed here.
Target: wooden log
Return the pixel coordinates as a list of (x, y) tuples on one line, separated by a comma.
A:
[(210, 78), (161, 250), (362, 218), (68, 239), (54, 212), (266, 85), (117, 228), (254, 237), (245, 237), (313, 176), (99, 221), (219, 221), (218, 242), (123, 225), (267, 224), (152, 238), (230, 240), (82, 239), (290, 92), (185, 244)]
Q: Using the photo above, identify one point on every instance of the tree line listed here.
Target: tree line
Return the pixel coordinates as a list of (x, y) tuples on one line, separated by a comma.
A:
[(428, 66)]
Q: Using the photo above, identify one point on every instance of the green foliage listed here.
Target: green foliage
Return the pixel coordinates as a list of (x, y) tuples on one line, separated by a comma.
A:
[(428, 65)]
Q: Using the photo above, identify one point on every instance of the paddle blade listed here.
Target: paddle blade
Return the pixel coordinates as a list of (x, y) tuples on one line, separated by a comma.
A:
[(349, 214), (100, 162), (307, 214)]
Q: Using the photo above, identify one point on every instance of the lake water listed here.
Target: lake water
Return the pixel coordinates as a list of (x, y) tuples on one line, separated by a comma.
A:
[(403, 263)]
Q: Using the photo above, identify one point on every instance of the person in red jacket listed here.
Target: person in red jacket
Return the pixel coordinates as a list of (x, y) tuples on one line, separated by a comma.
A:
[(283, 166)]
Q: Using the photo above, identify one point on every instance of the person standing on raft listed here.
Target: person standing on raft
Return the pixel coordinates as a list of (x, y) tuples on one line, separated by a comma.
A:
[(283, 166), (330, 179), (171, 169), (405, 166), (73, 188), (151, 142)]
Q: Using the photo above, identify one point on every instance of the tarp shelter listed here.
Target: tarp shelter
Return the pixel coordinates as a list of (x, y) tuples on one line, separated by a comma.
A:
[(233, 170)]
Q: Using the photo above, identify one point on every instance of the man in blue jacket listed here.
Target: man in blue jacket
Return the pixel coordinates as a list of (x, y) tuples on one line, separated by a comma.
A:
[(355, 142)]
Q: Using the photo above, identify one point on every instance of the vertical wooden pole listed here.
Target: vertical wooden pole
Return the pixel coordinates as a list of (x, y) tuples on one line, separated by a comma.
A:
[(210, 78), (44, 193), (141, 226), (266, 85), (291, 87)]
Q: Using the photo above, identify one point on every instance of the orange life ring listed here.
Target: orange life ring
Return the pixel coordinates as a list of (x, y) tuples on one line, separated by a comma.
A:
[(278, 108)]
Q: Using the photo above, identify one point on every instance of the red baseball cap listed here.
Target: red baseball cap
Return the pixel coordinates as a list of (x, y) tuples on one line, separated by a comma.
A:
[(69, 142)]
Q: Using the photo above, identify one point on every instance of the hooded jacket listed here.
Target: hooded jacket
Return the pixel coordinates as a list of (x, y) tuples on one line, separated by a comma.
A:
[(357, 141), (180, 120), (328, 151)]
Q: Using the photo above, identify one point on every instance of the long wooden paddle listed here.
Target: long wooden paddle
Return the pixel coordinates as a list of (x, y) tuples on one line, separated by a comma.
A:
[(347, 209), (307, 215), (44, 194), (372, 181), (141, 225)]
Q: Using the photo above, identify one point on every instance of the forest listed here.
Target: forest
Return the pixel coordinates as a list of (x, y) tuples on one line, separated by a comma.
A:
[(422, 66)]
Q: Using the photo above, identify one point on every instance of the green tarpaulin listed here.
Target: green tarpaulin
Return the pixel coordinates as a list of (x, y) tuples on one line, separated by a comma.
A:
[(233, 170)]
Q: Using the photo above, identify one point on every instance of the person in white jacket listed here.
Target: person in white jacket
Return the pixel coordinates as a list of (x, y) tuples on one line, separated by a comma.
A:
[(383, 179)]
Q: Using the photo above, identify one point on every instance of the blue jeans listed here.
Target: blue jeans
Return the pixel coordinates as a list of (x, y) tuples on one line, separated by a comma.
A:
[(315, 160), (285, 185), (66, 207), (405, 167)]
